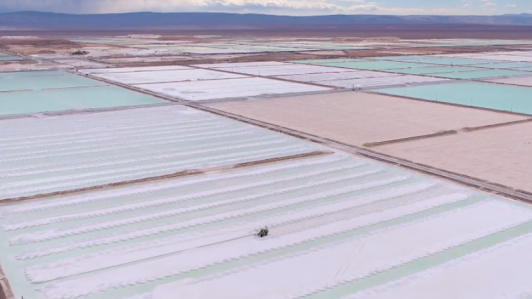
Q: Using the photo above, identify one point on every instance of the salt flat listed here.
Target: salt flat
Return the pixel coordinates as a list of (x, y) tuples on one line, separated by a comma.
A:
[(107, 192), (359, 118), (274, 69), (193, 84), (134, 69), (70, 152), (333, 219), (140, 77), (231, 88), (329, 78)]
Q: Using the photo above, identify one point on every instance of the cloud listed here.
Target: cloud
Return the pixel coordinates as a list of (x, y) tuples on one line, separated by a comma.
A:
[(116, 6), (292, 7)]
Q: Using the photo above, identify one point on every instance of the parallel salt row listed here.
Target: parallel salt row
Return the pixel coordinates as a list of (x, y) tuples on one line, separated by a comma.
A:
[(165, 246), (365, 256), (102, 136), (247, 221), (126, 193), (275, 70), (201, 84), (135, 69), (166, 76), (204, 140), (151, 170), (193, 237), (411, 193), (38, 168), (121, 131), (230, 253), (122, 147), (241, 64), (78, 124), (124, 144), (124, 160), (362, 256), (385, 79), (68, 215), (504, 267), (328, 78), (231, 88), (44, 235)]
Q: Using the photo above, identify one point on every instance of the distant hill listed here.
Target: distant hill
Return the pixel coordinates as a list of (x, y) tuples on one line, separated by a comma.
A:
[(146, 20)]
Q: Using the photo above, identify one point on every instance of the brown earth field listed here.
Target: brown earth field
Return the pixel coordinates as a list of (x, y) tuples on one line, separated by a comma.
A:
[(55, 41), (367, 30), (288, 56), (500, 155), (205, 59), (359, 118), (38, 46), (274, 56), (446, 137)]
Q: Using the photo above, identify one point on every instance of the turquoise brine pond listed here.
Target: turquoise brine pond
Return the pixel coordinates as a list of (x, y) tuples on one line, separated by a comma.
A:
[(51, 91), (485, 95), (27, 102)]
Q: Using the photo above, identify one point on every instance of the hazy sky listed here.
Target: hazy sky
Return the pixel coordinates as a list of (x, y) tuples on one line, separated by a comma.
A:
[(287, 7)]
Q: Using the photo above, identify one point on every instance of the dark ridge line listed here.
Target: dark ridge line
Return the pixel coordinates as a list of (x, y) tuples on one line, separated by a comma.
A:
[(510, 123), (407, 139), (5, 289)]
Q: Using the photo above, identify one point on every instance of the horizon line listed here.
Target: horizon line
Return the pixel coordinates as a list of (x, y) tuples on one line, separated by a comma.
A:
[(264, 14)]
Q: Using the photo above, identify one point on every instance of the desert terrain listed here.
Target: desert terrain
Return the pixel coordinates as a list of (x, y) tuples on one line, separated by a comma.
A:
[(338, 161)]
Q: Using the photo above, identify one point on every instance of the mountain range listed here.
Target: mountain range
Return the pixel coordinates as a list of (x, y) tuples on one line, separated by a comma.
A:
[(147, 20)]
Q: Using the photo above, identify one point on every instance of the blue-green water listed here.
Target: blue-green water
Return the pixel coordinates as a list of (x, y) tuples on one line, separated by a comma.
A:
[(25, 102), (47, 91), (65, 80), (506, 65), (10, 75), (326, 61), (9, 58), (364, 64), (480, 74), (438, 60), (434, 70), (476, 94)]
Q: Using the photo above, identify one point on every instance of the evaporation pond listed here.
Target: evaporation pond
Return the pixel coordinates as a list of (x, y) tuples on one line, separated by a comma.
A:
[(25, 102), (485, 95), (440, 60), (480, 74), (435, 69), (377, 65), (29, 82)]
